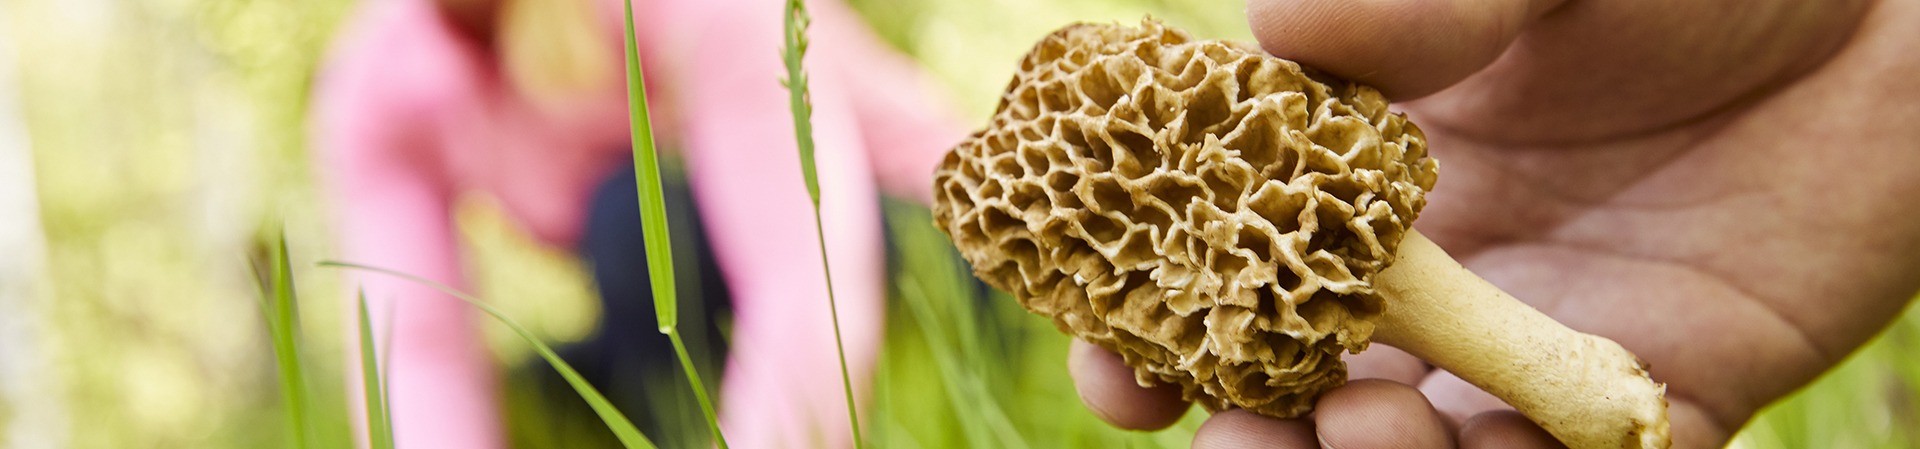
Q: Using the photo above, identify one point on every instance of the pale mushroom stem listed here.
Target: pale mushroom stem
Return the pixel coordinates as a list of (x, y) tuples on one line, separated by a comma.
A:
[(1584, 389)]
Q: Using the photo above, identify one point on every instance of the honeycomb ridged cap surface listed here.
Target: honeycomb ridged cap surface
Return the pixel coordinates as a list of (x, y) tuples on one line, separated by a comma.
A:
[(1211, 213)]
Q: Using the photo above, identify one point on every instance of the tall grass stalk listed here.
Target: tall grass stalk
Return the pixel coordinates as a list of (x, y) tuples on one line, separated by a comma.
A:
[(653, 218), (622, 428), (801, 103), (279, 304), (374, 384)]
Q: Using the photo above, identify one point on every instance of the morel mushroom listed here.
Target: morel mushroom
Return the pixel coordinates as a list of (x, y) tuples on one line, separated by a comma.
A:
[(1230, 222)]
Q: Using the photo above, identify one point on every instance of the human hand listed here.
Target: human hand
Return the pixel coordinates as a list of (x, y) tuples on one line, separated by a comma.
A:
[(1712, 184)]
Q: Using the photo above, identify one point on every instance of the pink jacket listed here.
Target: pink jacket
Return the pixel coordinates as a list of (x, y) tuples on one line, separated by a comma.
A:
[(408, 115)]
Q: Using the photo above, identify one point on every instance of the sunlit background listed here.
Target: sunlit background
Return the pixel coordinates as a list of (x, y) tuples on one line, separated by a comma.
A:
[(147, 146)]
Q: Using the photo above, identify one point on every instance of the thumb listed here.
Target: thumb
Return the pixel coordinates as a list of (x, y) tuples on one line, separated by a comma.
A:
[(1405, 48)]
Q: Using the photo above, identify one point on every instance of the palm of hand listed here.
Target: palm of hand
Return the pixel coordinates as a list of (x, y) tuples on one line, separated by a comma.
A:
[(1730, 236)]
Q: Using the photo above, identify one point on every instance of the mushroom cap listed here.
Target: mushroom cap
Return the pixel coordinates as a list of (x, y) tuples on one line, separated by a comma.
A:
[(1211, 213)]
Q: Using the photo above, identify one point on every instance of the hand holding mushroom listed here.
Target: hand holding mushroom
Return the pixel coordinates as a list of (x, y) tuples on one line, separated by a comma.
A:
[(1612, 216), (1229, 224)]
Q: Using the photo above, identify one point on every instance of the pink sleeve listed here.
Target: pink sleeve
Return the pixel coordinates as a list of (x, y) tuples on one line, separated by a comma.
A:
[(373, 134), (905, 122)]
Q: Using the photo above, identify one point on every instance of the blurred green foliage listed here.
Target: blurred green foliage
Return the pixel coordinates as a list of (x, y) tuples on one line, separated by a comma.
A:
[(167, 133)]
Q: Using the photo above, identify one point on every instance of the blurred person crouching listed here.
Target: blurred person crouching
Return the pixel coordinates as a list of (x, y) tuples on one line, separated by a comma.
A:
[(422, 101)]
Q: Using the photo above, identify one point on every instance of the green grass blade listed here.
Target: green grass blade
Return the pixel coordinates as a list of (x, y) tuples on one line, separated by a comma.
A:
[(646, 170), (801, 104), (379, 424), (623, 429), (653, 219), (964, 402), (924, 252), (386, 365), (283, 323)]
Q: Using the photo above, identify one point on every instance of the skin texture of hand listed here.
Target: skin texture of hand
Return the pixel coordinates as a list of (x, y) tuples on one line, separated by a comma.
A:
[(1723, 186)]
